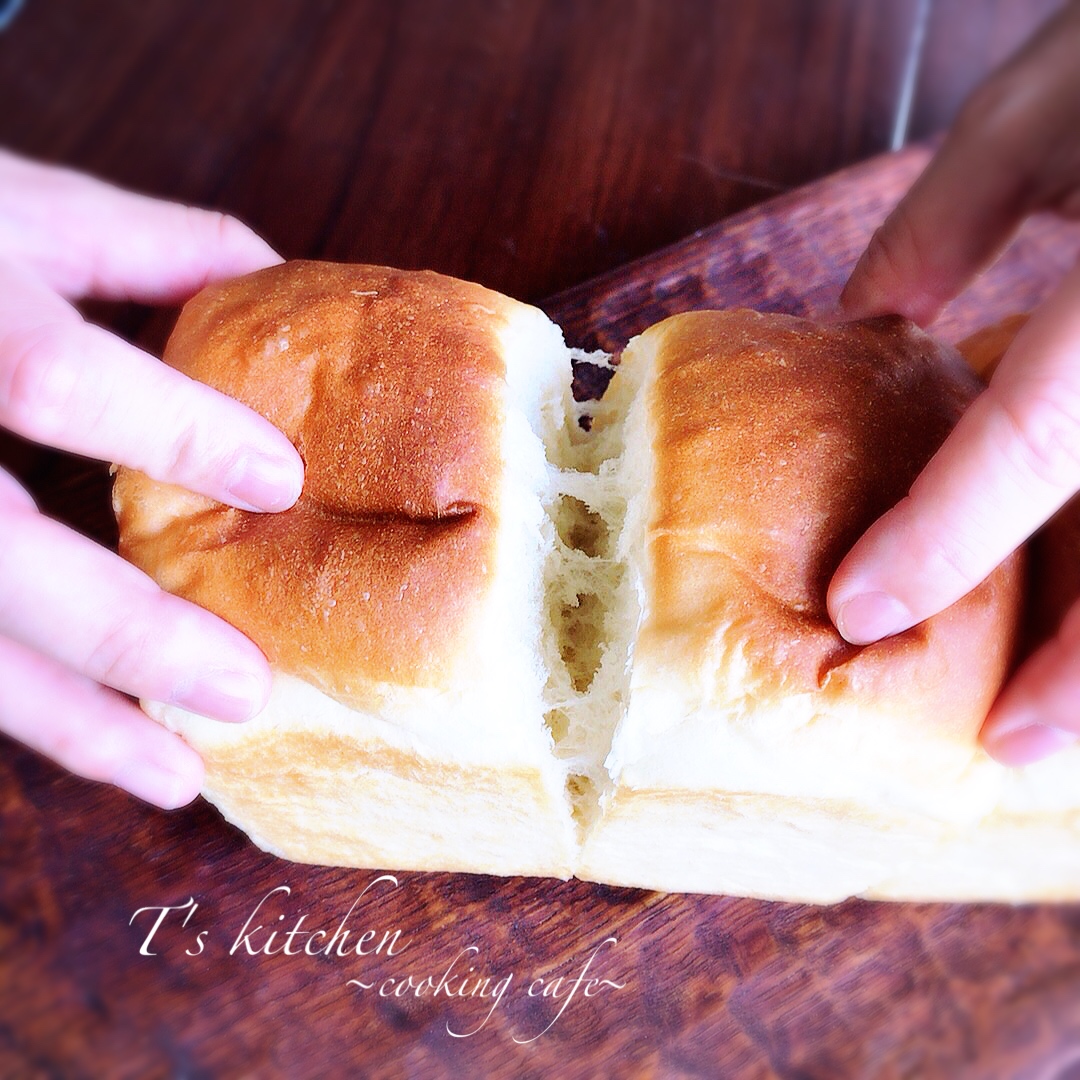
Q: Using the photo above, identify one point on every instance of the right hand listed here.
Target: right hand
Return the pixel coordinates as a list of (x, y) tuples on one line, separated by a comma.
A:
[(1014, 457), (77, 623)]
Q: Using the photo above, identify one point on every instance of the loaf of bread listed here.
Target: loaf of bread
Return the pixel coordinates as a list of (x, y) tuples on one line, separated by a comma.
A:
[(506, 644)]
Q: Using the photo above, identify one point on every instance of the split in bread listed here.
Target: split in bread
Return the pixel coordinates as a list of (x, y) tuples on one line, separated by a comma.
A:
[(505, 644)]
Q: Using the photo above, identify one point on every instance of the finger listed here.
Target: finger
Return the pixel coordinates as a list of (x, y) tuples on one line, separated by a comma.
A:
[(929, 247), (69, 599), (1010, 463), (89, 238), (92, 731), (75, 386), (1009, 153), (1038, 713), (13, 495)]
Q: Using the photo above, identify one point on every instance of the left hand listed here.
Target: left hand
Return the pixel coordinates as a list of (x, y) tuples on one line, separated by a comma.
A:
[(77, 623)]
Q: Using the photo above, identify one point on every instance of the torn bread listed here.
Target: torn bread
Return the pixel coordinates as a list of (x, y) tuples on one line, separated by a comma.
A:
[(400, 602), (503, 644)]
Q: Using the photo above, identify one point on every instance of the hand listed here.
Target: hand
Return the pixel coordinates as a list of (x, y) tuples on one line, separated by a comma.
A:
[(1014, 458), (75, 619)]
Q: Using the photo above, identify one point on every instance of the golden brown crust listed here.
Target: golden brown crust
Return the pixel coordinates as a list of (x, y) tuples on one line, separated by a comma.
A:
[(984, 349), (778, 442), (389, 384)]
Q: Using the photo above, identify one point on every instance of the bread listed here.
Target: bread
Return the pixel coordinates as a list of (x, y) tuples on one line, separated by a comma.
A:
[(503, 644), (399, 602)]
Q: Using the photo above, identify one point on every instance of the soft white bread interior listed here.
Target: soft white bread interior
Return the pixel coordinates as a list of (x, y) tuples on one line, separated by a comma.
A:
[(503, 643)]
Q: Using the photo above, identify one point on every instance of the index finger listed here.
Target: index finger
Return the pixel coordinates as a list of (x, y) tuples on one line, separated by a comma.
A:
[(1010, 463), (74, 386), (85, 237), (1009, 153)]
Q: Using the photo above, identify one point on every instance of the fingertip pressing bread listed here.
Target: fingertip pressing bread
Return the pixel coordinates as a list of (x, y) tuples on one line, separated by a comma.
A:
[(503, 644)]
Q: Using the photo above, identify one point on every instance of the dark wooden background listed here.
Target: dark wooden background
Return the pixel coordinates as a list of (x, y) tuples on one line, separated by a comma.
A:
[(529, 145)]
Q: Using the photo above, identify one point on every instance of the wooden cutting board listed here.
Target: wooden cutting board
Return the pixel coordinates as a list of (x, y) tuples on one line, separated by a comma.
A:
[(685, 986)]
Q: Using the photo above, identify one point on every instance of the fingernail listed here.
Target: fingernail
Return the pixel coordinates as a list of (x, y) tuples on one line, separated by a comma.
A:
[(156, 783), (266, 483), (1024, 741), (232, 696), (872, 616)]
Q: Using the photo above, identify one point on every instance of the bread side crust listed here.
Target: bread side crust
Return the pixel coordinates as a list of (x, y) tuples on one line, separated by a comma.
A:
[(313, 782), (822, 851)]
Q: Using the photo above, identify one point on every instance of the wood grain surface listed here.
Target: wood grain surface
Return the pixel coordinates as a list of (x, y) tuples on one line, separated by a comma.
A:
[(526, 144), (704, 986), (529, 144)]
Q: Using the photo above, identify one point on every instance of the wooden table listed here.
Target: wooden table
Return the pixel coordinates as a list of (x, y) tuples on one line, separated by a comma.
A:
[(530, 146)]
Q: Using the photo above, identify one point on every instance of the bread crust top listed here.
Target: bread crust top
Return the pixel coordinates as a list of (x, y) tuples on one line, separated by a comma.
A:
[(777, 442), (390, 385)]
